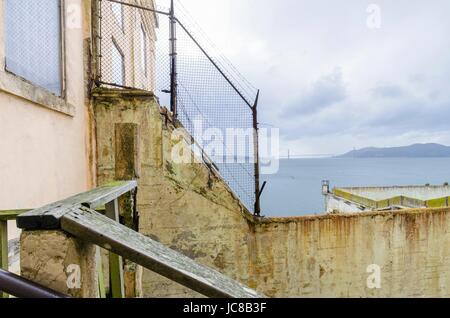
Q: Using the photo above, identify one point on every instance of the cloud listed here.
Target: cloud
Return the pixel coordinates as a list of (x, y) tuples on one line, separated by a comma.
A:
[(388, 91), (391, 84), (325, 92)]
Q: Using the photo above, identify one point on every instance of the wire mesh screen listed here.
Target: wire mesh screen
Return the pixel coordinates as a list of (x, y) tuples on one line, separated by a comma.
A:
[(212, 104), (127, 49), (218, 118), (33, 42)]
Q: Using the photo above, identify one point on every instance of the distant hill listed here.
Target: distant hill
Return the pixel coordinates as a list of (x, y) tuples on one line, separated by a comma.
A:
[(413, 151)]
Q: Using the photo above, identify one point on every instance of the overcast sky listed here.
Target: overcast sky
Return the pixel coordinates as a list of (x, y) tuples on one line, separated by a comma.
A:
[(329, 81)]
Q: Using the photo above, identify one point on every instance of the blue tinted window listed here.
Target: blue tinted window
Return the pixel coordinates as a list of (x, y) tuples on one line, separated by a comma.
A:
[(33, 42)]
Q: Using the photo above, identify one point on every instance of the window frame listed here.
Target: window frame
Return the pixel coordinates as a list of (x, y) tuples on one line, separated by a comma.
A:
[(144, 47), (62, 54), (121, 23), (116, 45)]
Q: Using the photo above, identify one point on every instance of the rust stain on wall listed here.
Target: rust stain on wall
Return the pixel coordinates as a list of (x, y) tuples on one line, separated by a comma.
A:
[(191, 209)]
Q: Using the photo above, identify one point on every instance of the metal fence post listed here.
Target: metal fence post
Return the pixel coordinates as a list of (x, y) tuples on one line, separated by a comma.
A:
[(257, 209), (173, 61), (3, 249)]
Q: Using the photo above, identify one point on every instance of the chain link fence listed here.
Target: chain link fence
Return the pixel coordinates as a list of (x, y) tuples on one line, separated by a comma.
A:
[(213, 101)]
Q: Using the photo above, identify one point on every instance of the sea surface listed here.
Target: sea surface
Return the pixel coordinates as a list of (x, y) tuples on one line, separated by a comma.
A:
[(296, 189)]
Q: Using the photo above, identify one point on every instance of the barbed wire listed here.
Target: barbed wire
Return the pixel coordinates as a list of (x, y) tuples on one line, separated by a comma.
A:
[(134, 53)]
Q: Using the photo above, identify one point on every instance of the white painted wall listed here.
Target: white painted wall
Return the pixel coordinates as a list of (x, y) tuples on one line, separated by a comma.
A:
[(334, 204), (44, 153), (416, 192)]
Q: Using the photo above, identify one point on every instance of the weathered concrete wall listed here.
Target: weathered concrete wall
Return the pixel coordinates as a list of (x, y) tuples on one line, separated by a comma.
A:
[(187, 207), (59, 262), (417, 192), (334, 204), (357, 199), (184, 206), (328, 256)]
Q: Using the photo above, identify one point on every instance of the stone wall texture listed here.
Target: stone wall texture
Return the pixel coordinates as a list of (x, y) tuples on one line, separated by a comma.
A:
[(48, 257), (329, 256), (190, 209)]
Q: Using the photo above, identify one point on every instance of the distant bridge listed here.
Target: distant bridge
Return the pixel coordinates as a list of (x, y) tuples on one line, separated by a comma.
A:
[(303, 156)]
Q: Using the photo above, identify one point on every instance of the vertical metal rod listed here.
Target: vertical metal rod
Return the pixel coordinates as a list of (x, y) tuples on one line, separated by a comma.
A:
[(257, 209), (99, 40), (173, 61), (3, 250)]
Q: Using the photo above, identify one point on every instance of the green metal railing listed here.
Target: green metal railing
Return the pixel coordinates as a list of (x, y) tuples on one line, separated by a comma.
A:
[(6, 216)]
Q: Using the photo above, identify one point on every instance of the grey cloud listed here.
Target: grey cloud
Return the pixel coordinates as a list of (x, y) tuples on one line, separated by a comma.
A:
[(388, 91), (324, 93), (396, 77)]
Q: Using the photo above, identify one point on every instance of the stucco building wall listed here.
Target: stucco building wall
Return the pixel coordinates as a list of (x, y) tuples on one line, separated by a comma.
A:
[(45, 140), (124, 33)]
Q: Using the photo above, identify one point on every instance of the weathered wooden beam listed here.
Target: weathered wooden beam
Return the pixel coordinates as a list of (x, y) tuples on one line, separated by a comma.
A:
[(48, 217), (3, 250), (95, 228)]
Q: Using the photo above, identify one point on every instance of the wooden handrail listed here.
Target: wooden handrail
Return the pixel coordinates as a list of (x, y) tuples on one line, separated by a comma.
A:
[(48, 217), (140, 249), (77, 217)]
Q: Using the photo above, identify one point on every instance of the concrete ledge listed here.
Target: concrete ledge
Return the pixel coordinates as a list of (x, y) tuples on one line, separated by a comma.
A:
[(118, 92), (297, 219), (19, 87)]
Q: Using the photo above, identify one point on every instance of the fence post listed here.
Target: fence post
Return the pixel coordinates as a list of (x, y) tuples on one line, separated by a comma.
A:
[(115, 261), (257, 209), (3, 249), (173, 61)]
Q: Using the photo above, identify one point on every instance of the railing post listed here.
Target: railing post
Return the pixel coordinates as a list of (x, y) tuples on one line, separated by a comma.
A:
[(173, 61), (100, 276), (3, 249), (257, 208), (115, 261)]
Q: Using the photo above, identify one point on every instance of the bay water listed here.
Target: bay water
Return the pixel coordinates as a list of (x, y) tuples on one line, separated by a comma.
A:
[(295, 189)]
